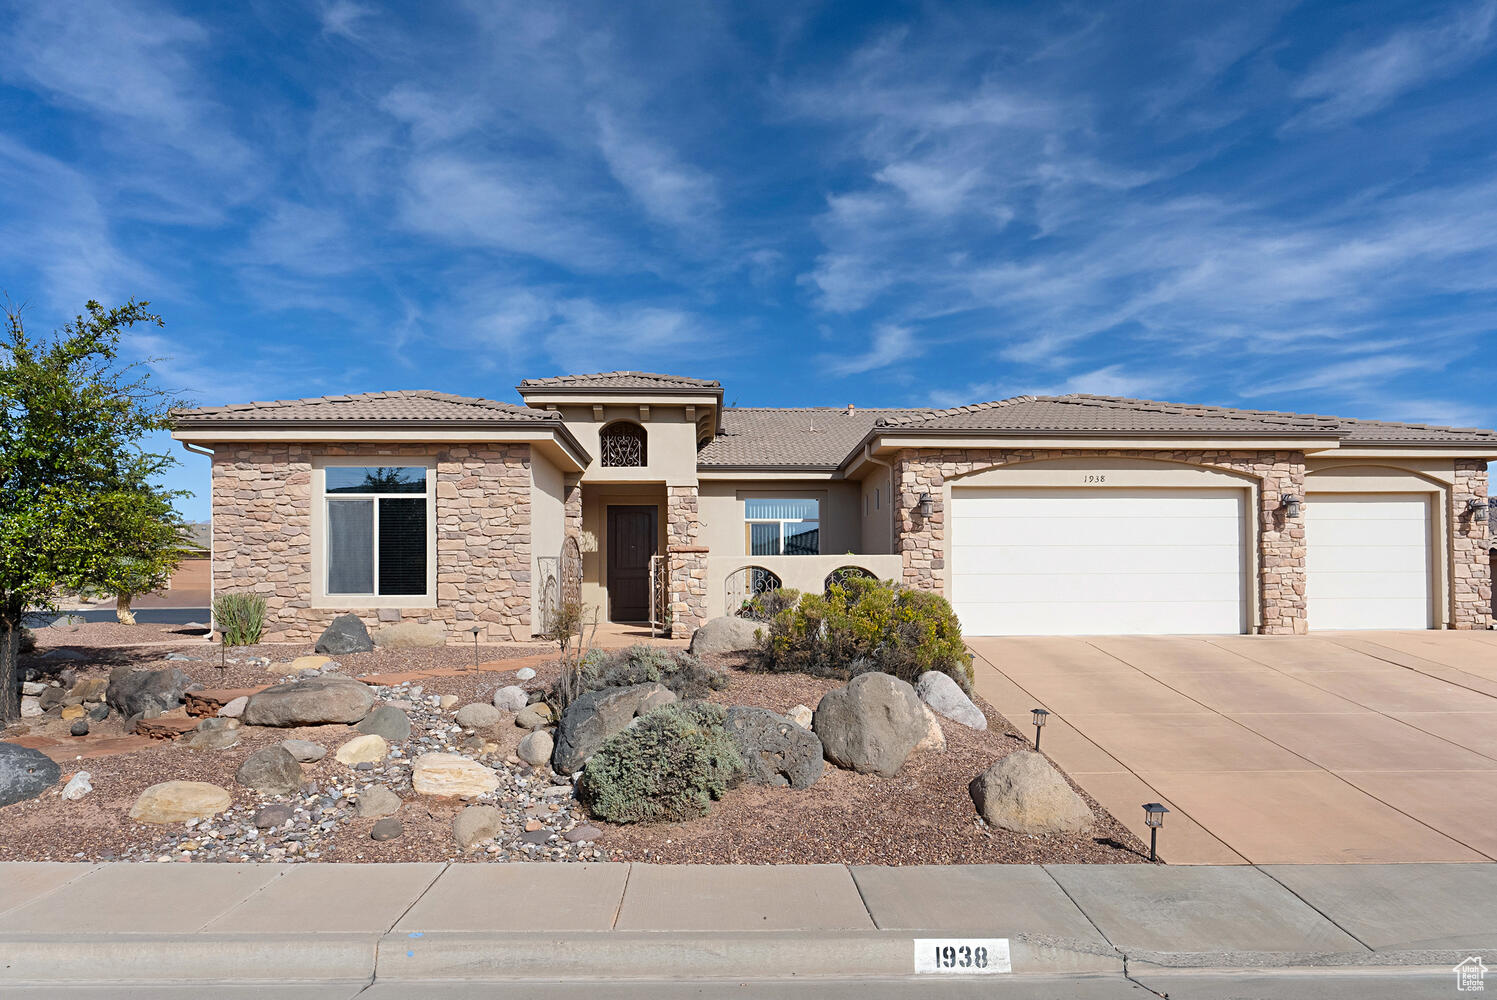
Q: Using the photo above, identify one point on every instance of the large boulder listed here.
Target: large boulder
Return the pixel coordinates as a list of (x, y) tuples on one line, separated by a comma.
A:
[(775, 750), (146, 692), (179, 801), (312, 702), (871, 724), (25, 773), (270, 771), (946, 699), (345, 635), (535, 747), (411, 635), (388, 721), (597, 715), (1023, 793), (727, 635), (448, 775)]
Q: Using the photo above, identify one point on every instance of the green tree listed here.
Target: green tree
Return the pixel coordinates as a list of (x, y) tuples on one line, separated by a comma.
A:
[(81, 508)]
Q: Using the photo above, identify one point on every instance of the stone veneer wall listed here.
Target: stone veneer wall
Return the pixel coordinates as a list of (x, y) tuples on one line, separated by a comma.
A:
[(572, 506), (688, 561), (1281, 554), (262, 536), (1471, 565)]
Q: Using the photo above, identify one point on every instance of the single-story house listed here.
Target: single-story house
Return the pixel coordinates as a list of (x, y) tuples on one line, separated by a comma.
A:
[(645, 497)]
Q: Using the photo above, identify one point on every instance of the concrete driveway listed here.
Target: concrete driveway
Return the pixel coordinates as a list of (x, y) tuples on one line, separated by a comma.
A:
[(1338, 747)]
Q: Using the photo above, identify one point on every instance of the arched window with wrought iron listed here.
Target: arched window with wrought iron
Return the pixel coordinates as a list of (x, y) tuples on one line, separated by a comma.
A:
[(623, 445)]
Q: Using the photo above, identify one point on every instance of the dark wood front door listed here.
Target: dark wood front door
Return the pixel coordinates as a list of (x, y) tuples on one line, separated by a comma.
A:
[(631, 543)]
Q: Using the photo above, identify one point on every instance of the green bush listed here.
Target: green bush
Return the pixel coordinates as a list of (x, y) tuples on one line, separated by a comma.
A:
[(669, 765), (678, 670), (763, 607), (863, 625), (240, 617)]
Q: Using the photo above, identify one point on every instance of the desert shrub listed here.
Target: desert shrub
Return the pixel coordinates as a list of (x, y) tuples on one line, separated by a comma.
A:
[(678, 670), (669, 765), (763, 607), (862, 625), (240, 617)]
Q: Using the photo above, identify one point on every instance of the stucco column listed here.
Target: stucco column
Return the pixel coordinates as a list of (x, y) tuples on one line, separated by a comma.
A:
[(1470, 565), (687, 561)]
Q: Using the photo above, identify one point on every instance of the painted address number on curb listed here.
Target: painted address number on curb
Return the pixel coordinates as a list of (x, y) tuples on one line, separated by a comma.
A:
[(962, 956)]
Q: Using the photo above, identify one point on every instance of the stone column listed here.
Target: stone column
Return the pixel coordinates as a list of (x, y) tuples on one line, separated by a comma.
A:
[(921, 540), (1281, 544), (572, 509), (687, 561), (1470, 564)]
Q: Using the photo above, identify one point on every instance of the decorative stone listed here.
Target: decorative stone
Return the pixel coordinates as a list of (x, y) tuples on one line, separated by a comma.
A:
[(311, 702), (775, 750), (302, 664), (597, 715), (510, 699), (78, 786), (388, 828), (368, 749), (25, 773), (178, 802), (583, 834), (476, 824), (871, 724), (133, 692), (91, 689), (30, 708), (478, 716), (345, 635), (99, 712), (1025, 794), (535, 748), (446, 701), (270, 771), (234, 708), (305, 751), (449, 775), (934, 740), (525, 674), (801, 716), (389, 722), (411, 635), (211, 739), (273, 816), (534, 716), (725, 636), (377, 800), (79, 728), (946, 698)]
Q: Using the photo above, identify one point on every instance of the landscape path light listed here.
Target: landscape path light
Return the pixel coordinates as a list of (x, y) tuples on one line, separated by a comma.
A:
[(1154, 817), (1040, 717), (475, 630)]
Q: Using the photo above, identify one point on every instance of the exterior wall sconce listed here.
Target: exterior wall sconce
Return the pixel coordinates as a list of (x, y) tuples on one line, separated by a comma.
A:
[(1290, 505), (927, 505), (1477, 508), (1154, 818), (1040, 717)]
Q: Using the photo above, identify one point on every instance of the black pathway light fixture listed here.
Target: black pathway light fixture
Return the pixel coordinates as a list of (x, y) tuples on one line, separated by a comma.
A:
[(475, 630), (1041, 716), (1154, 818)]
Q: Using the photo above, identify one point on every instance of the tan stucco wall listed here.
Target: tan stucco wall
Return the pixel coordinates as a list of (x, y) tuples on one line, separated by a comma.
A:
[(547, 515), (722, 512), (264, 503), (877, 511), (671, 444)]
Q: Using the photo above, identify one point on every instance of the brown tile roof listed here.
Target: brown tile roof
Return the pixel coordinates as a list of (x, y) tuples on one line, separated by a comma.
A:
[(814, 437), (619, 380), (403, 406), (1116, 414)]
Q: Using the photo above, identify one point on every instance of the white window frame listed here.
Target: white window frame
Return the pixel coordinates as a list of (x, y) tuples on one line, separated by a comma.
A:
[(749, 523), (321, 537)]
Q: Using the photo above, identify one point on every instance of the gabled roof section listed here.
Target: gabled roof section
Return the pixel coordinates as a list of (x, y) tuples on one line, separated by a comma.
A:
[(611, 381), (421, 407), (813, 438), (1082, 413)]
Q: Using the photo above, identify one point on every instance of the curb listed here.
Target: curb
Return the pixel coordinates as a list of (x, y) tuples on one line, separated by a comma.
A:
[(152, 958)]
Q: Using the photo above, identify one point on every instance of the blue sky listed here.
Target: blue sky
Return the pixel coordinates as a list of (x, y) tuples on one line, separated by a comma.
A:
[(1271, 205)]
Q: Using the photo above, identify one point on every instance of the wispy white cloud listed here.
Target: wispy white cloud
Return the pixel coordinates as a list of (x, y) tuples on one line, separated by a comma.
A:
[(669, 189), (891, 345)]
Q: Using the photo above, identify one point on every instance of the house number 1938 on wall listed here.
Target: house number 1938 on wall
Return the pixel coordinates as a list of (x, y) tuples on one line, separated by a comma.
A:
[(1093, 478), (962, 956)]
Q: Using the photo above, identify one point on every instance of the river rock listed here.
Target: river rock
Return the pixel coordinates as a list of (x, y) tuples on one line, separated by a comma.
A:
[(389, 722), (312, 702), (478, 716), (270, 771), (534, 716), (179, 801), (535, 747), (510, 699), (367, 749), (377, 801), (475, 824), (388, 828), (305, 751)]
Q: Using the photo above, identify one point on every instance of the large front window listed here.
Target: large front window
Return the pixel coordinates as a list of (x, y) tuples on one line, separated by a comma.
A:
[(783, 527), (376, 530)]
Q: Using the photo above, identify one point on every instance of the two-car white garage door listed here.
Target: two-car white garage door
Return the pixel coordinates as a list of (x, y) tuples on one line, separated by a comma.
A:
[(1068, 561), (1098, 562)]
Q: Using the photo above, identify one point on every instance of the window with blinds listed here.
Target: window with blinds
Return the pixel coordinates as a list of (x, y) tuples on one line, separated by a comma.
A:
[(377, 531), (783, 527)]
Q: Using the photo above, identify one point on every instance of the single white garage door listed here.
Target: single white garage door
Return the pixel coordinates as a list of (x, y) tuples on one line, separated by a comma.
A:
[(1098, 561), (1367, 560)]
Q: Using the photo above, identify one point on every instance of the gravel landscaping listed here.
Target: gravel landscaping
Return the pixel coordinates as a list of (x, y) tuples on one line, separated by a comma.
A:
[(923, 814)]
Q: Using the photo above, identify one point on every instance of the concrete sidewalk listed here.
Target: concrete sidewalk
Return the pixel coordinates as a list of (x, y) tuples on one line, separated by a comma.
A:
[(139, 924)]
